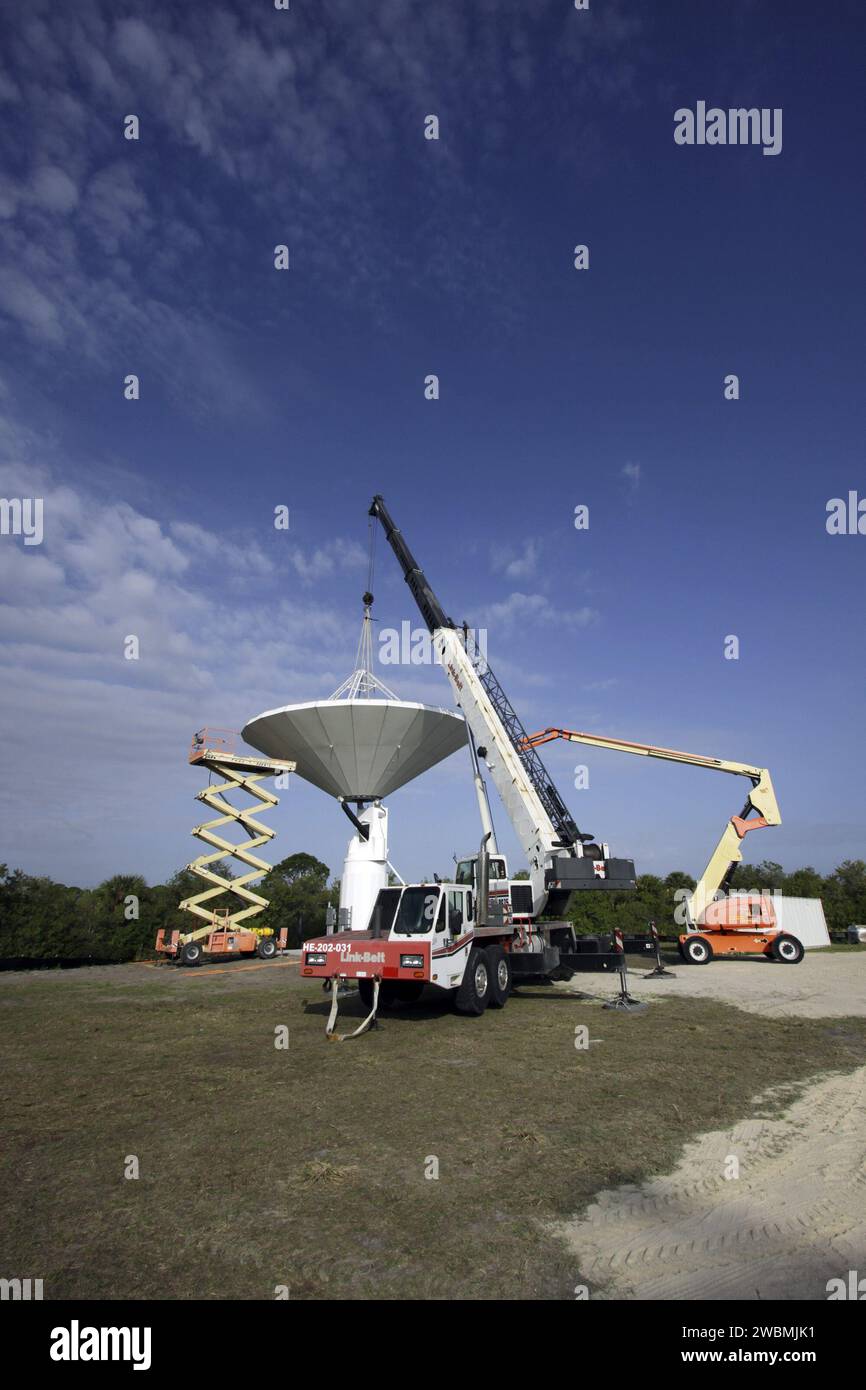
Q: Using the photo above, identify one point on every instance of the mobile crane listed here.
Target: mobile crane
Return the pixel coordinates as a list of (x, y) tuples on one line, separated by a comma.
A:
[(462, 936), (718, 924)]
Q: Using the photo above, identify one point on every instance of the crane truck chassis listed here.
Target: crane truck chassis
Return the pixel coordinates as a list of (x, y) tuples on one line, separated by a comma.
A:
[(447, 936)]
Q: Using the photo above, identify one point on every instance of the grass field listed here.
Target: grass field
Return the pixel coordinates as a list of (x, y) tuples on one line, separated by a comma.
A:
[(305, 1167)]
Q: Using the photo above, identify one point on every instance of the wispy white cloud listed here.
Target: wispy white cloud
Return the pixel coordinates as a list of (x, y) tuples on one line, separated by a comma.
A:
[(599, 686), (96, 731), (322, 561), (272, 106), (105, 571), (519, 610), (248, 558), (517, 565), (631, 474)]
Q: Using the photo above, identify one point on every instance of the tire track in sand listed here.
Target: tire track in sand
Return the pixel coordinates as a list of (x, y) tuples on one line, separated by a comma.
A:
[(794, 1218)]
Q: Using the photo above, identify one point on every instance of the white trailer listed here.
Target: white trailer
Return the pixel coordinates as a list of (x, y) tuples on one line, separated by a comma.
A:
[(800, 917)]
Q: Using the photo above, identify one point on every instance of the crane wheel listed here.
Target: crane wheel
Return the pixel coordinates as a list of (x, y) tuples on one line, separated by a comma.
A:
[(392, 993), (500, 977), (473, 995), (787, 950), (266, 948), (697, 951), (409, 991), (191, 953)]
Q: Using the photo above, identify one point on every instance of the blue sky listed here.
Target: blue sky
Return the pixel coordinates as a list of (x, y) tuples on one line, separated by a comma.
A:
[(305, 388)]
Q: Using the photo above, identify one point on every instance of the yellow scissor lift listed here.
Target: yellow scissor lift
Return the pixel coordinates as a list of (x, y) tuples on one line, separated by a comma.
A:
[(223, 932)]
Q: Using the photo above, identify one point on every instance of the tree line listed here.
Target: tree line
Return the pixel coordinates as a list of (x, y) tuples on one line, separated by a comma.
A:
[(42, 921), (843, 893)]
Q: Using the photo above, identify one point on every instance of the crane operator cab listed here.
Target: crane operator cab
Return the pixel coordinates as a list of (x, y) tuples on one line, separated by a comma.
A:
[(498, 870), (509, 899)]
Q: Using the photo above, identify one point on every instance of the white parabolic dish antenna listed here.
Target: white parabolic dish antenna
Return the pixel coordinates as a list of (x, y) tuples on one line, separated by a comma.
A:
[(362, 743), (360, 750)]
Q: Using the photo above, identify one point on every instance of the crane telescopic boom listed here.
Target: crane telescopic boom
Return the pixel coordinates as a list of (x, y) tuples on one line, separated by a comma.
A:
[(435, 618), (561, 858)]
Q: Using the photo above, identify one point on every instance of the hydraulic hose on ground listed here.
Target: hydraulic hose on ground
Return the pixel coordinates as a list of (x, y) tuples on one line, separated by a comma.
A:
[(332, 1017)]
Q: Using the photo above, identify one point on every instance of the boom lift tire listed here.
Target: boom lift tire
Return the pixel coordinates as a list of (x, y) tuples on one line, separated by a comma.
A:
[(191, 953), (500, 977), (473, 995), (266, 948), (697, 951), (787, 950)]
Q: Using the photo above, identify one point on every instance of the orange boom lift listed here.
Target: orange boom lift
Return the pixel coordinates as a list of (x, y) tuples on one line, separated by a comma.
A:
[(719, 923)]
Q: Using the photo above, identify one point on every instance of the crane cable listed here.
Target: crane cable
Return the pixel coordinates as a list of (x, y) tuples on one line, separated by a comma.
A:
[(372, 558)]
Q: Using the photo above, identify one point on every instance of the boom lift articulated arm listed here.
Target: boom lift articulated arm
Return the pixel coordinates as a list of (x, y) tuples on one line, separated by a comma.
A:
[(552, 842), (761, 801)]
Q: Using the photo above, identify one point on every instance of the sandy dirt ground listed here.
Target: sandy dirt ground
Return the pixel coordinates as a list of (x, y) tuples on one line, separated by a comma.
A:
[(795, 1217), (825, 984)]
